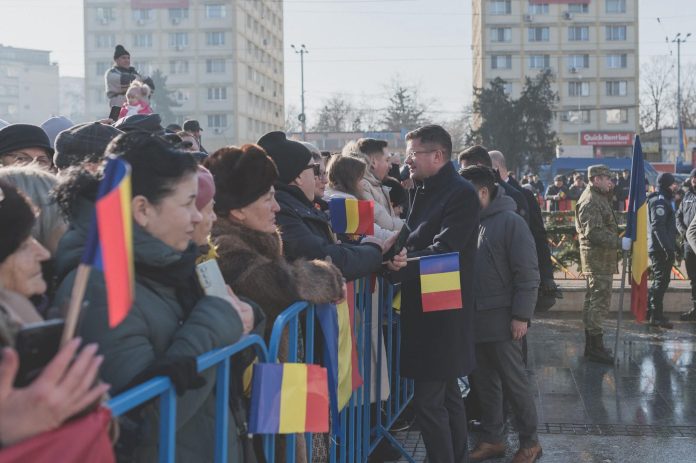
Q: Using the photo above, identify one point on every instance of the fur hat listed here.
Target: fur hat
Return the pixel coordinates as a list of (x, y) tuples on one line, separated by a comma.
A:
[(291, 157), (83, 142), (242, 175), (206, 188), (120, 51), (18, 136), (17, 217)]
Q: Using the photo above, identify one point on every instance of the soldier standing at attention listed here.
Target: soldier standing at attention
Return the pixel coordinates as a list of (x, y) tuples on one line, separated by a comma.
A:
[(662, 244), (599, 242)]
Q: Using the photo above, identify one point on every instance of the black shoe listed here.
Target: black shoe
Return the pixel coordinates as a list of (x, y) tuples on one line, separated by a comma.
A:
[(384, 452), (661, 322), (598, 353), (689, 316)]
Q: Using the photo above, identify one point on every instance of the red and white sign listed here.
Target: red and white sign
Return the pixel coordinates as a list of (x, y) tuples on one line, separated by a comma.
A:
[(607, 138)]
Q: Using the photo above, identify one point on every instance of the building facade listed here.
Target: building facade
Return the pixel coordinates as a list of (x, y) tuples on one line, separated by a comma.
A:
[(223, 60), (28, 85), (591, 48), (666, 145)]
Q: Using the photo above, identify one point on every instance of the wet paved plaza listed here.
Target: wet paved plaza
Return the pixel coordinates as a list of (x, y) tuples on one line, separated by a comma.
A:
[(644, 410)]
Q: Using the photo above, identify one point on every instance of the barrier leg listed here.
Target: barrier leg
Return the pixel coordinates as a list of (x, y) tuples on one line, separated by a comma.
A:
[(222, 417), (167, 445)]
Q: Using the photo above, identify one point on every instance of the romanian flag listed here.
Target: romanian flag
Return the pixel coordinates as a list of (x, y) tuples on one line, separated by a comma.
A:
[(340, 350), (352, 216), (637, 230), (440, 282), (683, 141), (289, 398), (110, 240)]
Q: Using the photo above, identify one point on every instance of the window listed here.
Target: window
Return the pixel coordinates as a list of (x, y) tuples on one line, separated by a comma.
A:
[(501, 62), (182, 95), (576, 117), (578, 7), (616, 87), (578, 33), (500, 7), (501, 34), (538, 34), (178, 40), (616, 32), (214, 66), (578, 89), (214, 38), (142, 15), (178, 66), (104, 14), (539, 61), (215, 11), (144, 67), (615, 6), (105, 40), (102, 67), (616, 61), (217, 121), (507, 88), (538, 8), (143, 40), (617, 116), (578, 61), (217, 93), (177, 14)]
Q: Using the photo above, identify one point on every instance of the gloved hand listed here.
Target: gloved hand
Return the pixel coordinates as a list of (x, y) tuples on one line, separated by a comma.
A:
[(181, 370), (626, 243)]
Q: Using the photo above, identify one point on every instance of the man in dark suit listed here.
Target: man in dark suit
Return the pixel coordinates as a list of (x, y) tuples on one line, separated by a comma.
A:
[(437, 347)]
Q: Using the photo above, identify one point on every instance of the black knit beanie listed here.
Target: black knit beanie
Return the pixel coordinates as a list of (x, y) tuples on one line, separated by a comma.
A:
[(19, 136), (120, 51), (665, 180), (290, 157), (17, 217)]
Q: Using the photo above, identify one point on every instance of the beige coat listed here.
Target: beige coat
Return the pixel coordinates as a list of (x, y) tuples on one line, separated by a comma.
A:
[(384, 214)]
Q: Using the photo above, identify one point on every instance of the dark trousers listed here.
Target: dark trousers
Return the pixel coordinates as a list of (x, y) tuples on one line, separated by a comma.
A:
[(500, 371), (690, 262), (661, 266), (441, 418)]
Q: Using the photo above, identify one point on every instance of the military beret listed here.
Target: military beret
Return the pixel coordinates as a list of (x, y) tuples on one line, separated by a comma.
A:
[(598, 169)]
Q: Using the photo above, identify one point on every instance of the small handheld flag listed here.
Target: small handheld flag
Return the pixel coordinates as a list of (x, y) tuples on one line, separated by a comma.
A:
[(352, 216), (110, 240), (440, 282), (289, 398)]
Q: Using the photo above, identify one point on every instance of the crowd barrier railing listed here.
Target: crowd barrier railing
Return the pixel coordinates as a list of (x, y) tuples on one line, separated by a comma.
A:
[(364, 422), (162, 387)]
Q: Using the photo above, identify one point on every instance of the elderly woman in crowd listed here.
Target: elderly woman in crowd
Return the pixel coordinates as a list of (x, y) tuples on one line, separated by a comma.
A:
[(25, 144), (64, 388), (171, 322)]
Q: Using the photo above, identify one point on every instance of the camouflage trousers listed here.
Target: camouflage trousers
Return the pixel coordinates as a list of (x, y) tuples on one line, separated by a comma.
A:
[(597, 300)]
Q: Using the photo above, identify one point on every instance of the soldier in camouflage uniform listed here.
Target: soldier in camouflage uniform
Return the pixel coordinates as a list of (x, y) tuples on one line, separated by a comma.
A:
[(599, 243)]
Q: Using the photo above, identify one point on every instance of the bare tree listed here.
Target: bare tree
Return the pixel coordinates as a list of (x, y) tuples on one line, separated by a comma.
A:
[(404, 109), (657, 75), (459, 127), (292, 123), (688, 92), (337, 114)]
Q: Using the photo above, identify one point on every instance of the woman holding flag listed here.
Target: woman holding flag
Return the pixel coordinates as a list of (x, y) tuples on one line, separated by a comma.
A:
[(170, 322)]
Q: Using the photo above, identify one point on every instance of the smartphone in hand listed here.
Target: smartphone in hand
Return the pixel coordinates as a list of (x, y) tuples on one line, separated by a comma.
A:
[(36, 344), (115, 111)]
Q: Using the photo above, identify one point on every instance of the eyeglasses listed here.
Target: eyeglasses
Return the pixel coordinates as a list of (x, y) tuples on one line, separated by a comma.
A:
[(316, 168), (413, 154), (23, 158)]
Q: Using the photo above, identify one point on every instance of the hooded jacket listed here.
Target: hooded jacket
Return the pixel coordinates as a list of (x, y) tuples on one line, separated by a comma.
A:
[(384, 214), (506, 280), (157, 327), (306, 234)]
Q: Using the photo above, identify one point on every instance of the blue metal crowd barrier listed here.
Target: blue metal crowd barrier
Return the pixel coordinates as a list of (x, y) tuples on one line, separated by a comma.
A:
[(358, 434), (162, 387)]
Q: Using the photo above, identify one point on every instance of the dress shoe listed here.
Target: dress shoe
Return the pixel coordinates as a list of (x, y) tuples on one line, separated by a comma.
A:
[(527, 455), (485, 451)]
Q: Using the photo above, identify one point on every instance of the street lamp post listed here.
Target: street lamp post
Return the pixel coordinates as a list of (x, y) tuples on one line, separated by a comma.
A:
[(302, 117), (679, 40)]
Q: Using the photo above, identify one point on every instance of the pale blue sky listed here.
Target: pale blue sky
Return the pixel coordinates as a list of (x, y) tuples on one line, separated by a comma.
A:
[(356, 46)]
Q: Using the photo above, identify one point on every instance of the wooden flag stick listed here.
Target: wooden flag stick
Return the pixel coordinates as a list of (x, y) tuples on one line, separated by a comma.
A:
[(413, 259), (76, 297)]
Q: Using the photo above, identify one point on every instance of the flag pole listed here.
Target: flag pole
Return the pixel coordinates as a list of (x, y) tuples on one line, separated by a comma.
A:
[(76, 297), (620, 314)]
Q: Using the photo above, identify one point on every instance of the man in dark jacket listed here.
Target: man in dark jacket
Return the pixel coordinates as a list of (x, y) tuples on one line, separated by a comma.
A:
[(623, 185), (685, 214), (305, 231), (437, 347), (662, 244), (556, 193), (505, 292), (118, 78)]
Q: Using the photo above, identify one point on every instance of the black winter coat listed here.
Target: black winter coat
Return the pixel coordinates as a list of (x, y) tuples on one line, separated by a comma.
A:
[(685, 214), (662, 225), (444, 218), (306, 234)]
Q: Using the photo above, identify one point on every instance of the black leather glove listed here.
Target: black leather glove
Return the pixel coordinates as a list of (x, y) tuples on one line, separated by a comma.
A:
[(181, 370)]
